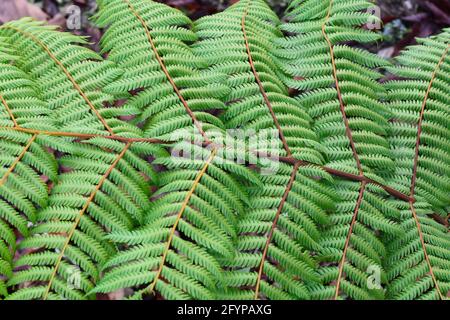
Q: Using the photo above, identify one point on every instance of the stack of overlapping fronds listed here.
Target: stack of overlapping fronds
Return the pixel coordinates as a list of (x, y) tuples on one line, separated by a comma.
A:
[(118, 172)]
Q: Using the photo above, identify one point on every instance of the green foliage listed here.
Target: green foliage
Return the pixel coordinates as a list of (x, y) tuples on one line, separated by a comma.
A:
[(338, 86), (421, 65), (150, 42), (420, 143), (408, 270), (223, 46), (93, 194), (318, 32), (24, 176), (117, 172), (196, 219), (67, 75), (237, 42)]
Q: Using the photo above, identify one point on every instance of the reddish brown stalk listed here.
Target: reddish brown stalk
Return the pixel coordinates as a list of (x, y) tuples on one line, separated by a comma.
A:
[(179, 216), (348, 130), (415, 167), (288, 160), (260, 85), (349, 176), (349, 134), (274, 225), (83, 135), (66, 72), (440, 219), (18, 159), (166, 72), (2, 99), (422, 242), (347, 240)]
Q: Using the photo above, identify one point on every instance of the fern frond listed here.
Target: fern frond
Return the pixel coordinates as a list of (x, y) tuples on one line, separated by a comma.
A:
[(165, 84), (20, 102), (352, 256), (104, 191), (237, 42), (329, 185), (337, 83), (26, 168), (420, 123), (69, 76), (418, 263), (281, 228), (190, 224), (279, 235)]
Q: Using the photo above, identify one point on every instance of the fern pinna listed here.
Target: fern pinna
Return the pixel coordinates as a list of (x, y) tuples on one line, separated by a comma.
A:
[(150, 41), (420, 143), (118, 171), (100, 187), (282, 222), (27, 169), (192, 222), (337, 84)]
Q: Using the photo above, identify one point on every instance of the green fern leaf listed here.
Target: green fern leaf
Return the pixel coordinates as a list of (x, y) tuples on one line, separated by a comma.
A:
[(164, 82), (189, 226)]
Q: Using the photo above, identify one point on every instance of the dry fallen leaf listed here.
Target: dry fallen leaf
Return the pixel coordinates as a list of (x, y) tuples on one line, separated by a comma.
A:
[(16, 9)]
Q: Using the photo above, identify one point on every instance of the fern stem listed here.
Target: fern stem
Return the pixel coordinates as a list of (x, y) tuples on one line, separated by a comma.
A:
[(290, 160), (85, 135), (347, 240), (151, 288), (18, 159), (415, 167), (260, 85), (166, 72), (339, 93), (78, 219), (66, 72), (349, 176), (9, 111), (427, 258), (274, 225), (440, 219)]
